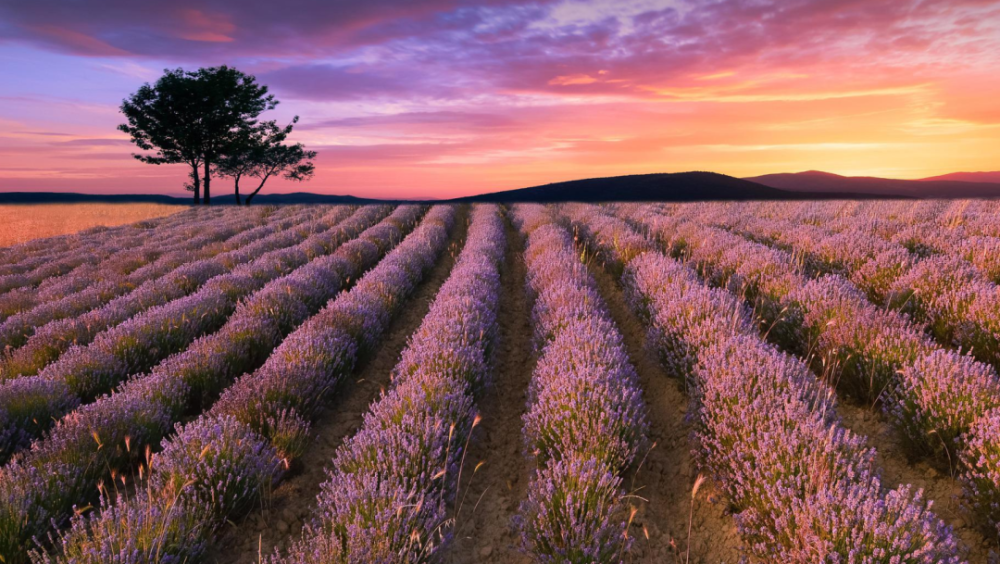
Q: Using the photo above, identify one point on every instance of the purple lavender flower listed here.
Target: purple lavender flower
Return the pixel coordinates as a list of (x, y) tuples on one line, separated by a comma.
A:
[(397, 474), (575, 512), (939, 397), (132, 532), (218, 466), (586, 420), (804, 488)]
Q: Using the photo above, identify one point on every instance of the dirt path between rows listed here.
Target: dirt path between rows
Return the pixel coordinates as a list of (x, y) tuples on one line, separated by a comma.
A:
[(931, 476), (294, 499), (666, 476), (492, 494)]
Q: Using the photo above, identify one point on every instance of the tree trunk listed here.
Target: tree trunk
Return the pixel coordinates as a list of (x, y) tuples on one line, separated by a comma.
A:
[(197, 184), (254, 193), (208, 179), (236, 185)]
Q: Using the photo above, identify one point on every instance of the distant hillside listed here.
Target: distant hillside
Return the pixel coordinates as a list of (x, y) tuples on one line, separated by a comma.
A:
[(666, 187), (677, 187), (988, 177), (816, 182), (300, 198), (74, 198), (221, 199)]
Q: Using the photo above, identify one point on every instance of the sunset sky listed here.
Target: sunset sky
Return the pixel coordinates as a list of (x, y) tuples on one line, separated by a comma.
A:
[(440, 98)]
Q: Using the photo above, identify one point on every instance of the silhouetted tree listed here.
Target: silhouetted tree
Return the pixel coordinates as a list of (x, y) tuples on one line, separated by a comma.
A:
[(262, 153), (195, 118)]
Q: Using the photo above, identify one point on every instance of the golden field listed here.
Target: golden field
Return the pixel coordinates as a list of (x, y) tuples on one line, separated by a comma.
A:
[(22, 222)]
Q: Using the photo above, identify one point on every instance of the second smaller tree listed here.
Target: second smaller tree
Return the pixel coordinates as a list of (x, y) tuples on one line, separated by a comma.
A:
[(262, 153)]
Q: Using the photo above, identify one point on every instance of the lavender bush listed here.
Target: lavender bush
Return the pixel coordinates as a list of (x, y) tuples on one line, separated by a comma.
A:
[(240, 461), (586, 421), (399, 472), (804, 489), (112, 434), (140, 342), (217, 467)]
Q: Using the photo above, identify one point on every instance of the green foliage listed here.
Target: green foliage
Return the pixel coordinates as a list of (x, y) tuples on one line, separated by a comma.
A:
[(195, 117), (261, 153)]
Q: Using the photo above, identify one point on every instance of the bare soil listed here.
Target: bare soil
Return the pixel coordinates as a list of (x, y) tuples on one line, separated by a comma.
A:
[(934, 478), (663, 481), (489, 498), (294, 500), (496, 471)]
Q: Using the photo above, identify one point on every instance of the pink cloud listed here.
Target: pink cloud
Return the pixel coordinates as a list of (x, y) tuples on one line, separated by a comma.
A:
[(459, 96), (201, 26)]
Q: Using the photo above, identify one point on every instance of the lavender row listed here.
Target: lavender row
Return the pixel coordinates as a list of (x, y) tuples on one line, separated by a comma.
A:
[(29, 255), (58, 248), (950, 295), (942, 402), (50, 341), (586, 420), (53, 266), (93, 285), (55, 269), (29, 405), (221, 465), (862, 346), (128, 254), (112, 434), (804, 489), (26, 256), (391, 484), (931, 395), (924, 227)]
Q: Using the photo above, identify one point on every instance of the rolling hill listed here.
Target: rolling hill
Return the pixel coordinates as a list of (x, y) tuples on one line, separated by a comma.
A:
[(816, 182), (989, 177), (671, 187), (676, 187)]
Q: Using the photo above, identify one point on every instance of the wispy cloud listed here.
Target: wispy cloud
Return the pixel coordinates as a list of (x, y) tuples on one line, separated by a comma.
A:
[(460, 96)]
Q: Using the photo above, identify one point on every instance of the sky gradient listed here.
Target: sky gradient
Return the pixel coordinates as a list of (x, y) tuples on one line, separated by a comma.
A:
[(441, 98)]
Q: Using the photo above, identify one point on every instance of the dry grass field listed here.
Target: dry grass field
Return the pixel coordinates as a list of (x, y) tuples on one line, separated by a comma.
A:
[(22, 222)]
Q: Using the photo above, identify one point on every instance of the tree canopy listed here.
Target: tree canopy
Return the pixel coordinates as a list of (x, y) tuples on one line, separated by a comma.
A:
[(195, 118), (262, 153)]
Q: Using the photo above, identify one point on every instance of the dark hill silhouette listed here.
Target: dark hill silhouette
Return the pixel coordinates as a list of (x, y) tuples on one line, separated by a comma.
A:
[(825, 183), (309, 198), (989, 177), (676, 187), (670, 187), (75, 198)]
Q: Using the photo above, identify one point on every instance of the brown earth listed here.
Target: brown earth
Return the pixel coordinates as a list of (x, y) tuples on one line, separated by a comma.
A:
[(496, 471), (663, 482), (489, 498), (933, 477), (294, 500)]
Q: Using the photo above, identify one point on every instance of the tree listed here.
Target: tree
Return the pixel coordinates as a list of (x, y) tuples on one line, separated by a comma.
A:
[(262, 153), (195, 118)]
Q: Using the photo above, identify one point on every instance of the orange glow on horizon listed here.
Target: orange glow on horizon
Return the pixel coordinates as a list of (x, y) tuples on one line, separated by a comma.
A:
[(437, 101)]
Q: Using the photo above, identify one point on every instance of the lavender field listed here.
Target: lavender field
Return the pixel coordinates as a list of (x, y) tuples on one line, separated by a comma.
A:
[(796, 382)]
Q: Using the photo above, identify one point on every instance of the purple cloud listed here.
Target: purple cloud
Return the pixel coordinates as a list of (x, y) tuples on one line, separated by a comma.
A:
[(442, 119)]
